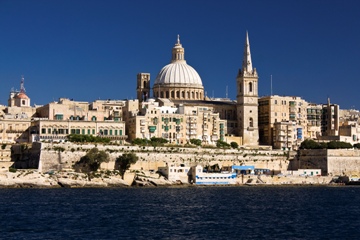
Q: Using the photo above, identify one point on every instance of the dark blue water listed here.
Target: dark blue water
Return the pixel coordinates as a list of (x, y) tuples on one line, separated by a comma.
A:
[(181, 213)]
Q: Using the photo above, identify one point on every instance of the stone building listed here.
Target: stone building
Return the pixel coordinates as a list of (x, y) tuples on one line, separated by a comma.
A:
[(177, 124), (54, 121), (287, 110), (15, 118)]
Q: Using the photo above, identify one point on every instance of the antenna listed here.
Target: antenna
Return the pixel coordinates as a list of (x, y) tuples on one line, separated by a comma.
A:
[(271, 93), (226, 91)]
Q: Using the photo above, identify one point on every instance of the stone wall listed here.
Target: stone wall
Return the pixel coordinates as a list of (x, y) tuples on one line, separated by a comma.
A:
[(330, 161), (151, 158)]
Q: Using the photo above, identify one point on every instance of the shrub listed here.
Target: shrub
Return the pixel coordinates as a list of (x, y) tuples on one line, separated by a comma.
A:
[(222, 144), (234, 145), (195, 141)]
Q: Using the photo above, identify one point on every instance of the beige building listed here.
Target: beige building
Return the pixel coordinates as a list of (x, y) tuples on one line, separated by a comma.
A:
[(177, 124), (287, 135), (283, 109), (314, 117), (15, 119), (54, 121)]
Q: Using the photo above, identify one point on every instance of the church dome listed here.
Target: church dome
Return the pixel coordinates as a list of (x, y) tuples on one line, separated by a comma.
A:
[(21, 95), (178, 73), (178, 80)]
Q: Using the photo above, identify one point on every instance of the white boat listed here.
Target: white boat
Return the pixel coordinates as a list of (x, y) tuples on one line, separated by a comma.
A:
[(199, 177)]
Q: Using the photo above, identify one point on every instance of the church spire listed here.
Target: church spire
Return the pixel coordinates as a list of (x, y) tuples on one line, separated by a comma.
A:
[(247, 64), (178, 52)]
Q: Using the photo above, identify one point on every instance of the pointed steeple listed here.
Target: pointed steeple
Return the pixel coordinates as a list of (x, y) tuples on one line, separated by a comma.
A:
[(247, 64), (178, 52)]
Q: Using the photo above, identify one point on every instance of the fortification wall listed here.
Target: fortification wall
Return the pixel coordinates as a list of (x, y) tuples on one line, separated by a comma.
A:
[(331, 161), (151, 158)]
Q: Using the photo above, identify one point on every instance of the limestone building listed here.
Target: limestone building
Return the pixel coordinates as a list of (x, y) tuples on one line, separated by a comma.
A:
[(15, 118), (247, 99), (177, 124), (55, 120), (287, 110)]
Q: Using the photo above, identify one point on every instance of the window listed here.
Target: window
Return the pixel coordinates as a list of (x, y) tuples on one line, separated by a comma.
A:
[(83, 131), (43, 130), (49, 130), (116, 132), (251, 122), (250, 87), (93, 131)]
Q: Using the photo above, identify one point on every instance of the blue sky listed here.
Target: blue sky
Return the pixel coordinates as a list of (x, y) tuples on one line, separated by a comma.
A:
[(92, 49)]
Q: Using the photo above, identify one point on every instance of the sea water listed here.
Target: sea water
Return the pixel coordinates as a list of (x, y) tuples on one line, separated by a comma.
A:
[(181, 213)]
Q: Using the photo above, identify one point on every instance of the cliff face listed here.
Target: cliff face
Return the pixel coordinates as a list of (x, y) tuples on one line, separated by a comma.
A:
[(62, 156)]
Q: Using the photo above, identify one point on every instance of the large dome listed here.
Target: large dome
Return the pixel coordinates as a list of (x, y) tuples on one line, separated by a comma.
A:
[(178, 73), (178, 80)]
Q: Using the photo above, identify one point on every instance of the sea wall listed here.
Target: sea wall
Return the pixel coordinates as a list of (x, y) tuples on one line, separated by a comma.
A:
[(150, 158)]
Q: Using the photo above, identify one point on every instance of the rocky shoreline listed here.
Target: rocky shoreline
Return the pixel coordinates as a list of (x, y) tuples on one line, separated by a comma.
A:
[(35, 179)]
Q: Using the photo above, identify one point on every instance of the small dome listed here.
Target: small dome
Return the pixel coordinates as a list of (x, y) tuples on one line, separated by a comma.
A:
[(21, 96), (178, 73)]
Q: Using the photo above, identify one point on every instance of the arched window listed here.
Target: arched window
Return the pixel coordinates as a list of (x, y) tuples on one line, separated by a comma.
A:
[(177, 94), (251, 122), (183, 94), (250, 87), (167, 94)]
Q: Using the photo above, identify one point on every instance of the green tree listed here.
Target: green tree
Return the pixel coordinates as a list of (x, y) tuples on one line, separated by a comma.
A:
[(234, 144), (124, 162), (195, 141), (310, 144), (91, 161), (222, 144)]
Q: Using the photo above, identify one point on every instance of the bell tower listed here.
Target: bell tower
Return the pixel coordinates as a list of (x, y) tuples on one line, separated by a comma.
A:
[(247, 99), (143, 86)]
